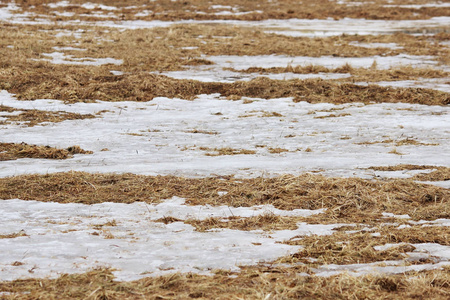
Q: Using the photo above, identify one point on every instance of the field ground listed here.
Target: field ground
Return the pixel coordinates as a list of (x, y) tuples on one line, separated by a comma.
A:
[(224, 149)]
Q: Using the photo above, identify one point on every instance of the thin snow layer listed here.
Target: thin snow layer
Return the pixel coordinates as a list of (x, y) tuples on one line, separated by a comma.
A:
[(73, 238), (392, 46), (270, 61), (429, 251), (216, 73), (164, 136), (330, 27), (62, 58), (308, 28)]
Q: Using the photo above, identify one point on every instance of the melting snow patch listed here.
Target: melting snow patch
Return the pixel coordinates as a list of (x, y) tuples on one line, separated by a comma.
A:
[(61, 58), (270, 61), (72, 238), (218, 74), (157, 137)]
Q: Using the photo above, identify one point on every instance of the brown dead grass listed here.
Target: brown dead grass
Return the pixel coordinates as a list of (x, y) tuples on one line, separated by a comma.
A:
[(33, 117), (266, 222), (358, 74), (13, 235), (261, 282), (439, 174), (402, 142), (145, 87), (402, 167), (162, 49), (351, 248), (260, 10), (346, 199), (225, 151), (277, 150), (12, 151)]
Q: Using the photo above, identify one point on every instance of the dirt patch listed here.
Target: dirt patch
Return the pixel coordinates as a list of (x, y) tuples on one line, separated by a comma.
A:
[(346, 199), (12, 151)]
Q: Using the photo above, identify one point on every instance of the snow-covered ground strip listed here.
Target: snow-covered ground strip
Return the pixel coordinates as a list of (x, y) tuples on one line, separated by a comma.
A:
[(269, 61), (419, 6), (385, 267), (73, 238), (392, 46), (216, 73), (158, 137), (61, 58), (219, 73)]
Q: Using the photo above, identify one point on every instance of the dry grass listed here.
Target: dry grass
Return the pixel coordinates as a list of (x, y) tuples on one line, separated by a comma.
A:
[(225, 151), (266, 222), (358, 74), (163, 49), (402, 167), (346, 199), (402, 142), (353, 248), (333, 116), (260, 10), (439, 174), (33, 117), (261, 282), (13, 235), (203, 131), (12, 151), (277, 150)]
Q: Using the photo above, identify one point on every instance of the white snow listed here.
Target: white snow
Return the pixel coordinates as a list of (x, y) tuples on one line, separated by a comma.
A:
[(392, 46), (216, 73), (62, 58), (269, 61), (154, 137), (72, 238)]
